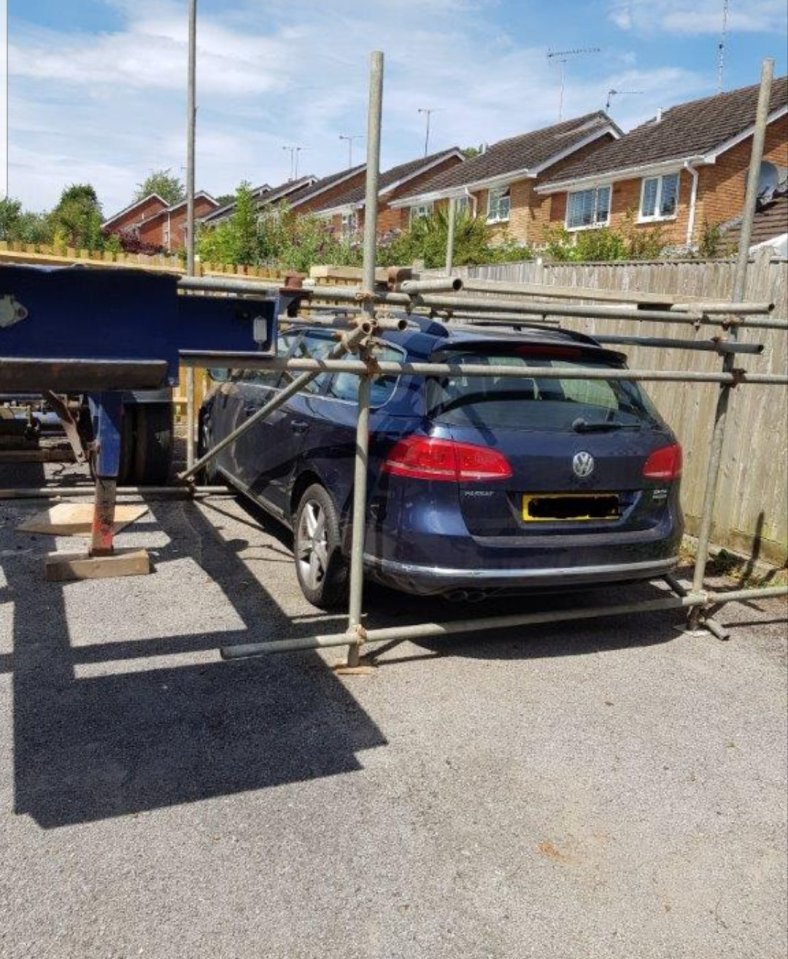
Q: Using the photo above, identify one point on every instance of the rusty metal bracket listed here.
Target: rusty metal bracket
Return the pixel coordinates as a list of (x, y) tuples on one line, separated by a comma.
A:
[(739, 376), (60, 405)]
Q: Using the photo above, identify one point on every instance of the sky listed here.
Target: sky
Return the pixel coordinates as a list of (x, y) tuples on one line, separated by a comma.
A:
[(97, 88)]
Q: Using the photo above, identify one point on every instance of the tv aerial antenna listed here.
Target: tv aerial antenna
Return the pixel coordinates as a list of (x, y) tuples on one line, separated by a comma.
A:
[(721, 46), (293, 151), (350, 138), (562, 56), (621, 93)]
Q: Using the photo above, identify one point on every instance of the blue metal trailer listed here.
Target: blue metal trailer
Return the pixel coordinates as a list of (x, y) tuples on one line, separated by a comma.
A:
[(112, 336)]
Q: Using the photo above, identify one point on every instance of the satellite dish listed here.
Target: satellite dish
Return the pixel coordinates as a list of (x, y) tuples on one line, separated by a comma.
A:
[(768, 178)]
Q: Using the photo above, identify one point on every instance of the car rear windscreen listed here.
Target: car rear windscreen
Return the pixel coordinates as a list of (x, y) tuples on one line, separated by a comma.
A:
[(532, 402)]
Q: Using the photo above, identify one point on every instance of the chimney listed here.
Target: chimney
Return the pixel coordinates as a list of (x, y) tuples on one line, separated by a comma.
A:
[(659, 116)]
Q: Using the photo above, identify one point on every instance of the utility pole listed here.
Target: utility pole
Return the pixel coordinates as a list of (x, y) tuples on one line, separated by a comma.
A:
[(620, 93), (350, 139), (293, 151), (191, 118), (562, 56), (428, 111)]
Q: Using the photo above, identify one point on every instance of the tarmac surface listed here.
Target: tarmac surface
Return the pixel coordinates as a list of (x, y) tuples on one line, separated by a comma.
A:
[(614, 789)]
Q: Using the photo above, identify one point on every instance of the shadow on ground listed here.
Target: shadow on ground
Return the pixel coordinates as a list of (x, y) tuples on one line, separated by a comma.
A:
[(91, 747), (96, 746)]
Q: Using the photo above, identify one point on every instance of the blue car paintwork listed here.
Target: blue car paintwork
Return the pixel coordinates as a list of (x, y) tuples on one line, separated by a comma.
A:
[(441, 537)]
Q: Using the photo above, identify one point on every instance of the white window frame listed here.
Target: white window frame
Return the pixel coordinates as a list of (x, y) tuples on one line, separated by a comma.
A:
[(420, 211), (597, 224), (499, 193), (657, 217)]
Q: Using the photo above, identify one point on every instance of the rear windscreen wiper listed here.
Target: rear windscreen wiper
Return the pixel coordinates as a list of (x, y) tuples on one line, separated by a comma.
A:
[(581, 425)]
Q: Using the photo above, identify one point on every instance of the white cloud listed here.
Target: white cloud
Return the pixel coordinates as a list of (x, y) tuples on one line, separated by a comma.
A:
[(689, 17), (110, 107)]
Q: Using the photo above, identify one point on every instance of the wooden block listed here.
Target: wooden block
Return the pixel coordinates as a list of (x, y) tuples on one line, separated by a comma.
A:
[(360, 670), (75, 519), (60, 567)]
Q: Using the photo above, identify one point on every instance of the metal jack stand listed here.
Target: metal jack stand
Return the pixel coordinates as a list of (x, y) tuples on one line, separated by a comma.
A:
[(101, 560)]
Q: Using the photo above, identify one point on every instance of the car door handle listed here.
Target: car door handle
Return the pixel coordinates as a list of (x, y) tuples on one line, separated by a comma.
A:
[(299, 426)]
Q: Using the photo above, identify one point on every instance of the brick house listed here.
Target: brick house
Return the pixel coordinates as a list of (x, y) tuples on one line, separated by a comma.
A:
[(500, 182), (345, 212), (682, 171), (157, 223)]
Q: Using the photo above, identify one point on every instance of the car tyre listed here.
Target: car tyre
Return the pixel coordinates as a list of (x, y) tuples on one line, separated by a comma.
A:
[(321, 568)]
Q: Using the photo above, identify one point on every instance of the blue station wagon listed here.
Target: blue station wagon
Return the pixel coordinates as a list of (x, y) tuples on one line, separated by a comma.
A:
[(477, 485)]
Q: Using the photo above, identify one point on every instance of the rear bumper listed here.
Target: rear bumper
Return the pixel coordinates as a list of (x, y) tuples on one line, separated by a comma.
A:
[(433, 580)]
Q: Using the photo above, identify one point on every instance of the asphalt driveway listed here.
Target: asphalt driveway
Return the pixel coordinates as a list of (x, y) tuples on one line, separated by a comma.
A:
[(615, 789)]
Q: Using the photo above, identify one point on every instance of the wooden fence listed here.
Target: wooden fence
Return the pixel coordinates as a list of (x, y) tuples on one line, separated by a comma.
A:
[(750, 513)]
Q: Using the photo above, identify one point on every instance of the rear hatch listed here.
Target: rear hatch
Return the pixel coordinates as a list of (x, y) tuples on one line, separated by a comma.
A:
[(584, 454)]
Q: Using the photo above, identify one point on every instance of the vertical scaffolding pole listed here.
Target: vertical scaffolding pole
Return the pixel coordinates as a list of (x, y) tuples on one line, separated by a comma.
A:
[(191, 120), (355, 629), (191, 117), (737, 294), (450, 234)]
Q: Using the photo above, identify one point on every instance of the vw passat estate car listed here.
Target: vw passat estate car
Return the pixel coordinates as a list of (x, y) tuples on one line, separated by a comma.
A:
[(477, 485)]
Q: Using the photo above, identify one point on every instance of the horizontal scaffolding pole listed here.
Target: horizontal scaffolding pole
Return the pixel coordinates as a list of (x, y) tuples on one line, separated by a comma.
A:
[(487, 304), (220, 284), (427, 630), (256, 361), (55, 492), (675, 301), (703, 346)]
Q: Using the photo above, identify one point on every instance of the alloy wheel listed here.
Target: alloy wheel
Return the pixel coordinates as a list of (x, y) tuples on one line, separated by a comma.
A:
[(312, 544)]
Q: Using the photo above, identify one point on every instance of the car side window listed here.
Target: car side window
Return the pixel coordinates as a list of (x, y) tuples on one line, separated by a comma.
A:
[(271, 377), (313, 345), (344, 386)]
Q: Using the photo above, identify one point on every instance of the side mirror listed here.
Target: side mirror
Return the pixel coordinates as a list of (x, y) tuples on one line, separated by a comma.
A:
[(219, 374)]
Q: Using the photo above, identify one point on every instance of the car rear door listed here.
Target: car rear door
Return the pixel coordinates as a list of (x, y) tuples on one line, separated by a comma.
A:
[(268, 453)]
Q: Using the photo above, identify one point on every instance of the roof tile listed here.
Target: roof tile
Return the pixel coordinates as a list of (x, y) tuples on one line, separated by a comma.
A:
[(689, 129)]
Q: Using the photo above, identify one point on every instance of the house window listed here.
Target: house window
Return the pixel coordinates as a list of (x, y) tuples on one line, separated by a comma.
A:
[(420, 211), (498, 205), (349, 223), (659, 197), (586, 208), (462, 205)]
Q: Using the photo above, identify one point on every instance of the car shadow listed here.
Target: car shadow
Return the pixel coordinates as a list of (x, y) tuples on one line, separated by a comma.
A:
[(99, 731)]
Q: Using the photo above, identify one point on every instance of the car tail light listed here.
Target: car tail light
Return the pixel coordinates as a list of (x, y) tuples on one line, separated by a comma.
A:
[(664, 463), (421, 457)]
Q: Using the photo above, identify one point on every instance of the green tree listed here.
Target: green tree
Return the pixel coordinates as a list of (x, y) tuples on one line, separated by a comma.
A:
[(10, 212), (236, 240), (427, 236), (76, 220), (165, 183)]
